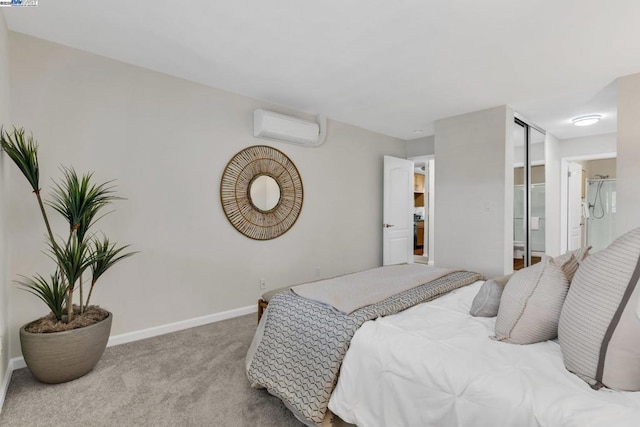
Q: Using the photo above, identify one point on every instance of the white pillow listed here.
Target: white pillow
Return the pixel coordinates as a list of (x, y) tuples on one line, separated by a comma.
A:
[(531, 304), (599, 331)]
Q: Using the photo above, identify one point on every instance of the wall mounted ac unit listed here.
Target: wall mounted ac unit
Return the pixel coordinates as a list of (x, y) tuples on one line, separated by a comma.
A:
[(270, 125)]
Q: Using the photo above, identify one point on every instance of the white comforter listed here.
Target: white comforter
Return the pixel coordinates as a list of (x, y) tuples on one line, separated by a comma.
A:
[(434, 365)]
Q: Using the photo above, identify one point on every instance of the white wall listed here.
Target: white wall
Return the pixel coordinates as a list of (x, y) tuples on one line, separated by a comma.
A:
[(628, 196), (474, 191), (552, 195), (421, 146), (167, 141), (589, 146), (4, 255)]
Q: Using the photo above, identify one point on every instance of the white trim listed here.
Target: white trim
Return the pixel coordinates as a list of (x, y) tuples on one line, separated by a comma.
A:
[(5, 385), (429, 159), (15, 363), (179, 326), (564, 213), (587, 157), (18, 362), (431, 252)]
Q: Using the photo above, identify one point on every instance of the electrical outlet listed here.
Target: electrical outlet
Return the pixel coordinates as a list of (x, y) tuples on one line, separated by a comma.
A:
[(317, 272), (263, 284)]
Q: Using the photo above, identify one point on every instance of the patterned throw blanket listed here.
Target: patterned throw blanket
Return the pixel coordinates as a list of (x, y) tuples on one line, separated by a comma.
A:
[(299, 355)]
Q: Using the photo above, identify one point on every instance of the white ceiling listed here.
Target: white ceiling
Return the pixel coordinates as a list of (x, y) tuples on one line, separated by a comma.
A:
[(391, 66)]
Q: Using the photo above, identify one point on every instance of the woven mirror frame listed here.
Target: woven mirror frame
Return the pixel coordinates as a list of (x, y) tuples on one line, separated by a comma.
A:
[(235, 192)]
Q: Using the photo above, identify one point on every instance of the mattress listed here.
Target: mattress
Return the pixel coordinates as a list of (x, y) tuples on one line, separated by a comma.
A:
[(435, 365)]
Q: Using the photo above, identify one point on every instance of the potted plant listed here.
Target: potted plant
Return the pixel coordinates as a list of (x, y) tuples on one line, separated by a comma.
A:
[(68, 342)]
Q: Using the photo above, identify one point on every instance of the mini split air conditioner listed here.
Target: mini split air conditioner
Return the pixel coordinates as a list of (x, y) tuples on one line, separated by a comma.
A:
[(270, 125)]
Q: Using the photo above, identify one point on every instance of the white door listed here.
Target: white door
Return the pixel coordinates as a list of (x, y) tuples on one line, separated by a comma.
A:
[(574, 207), (397, 217)]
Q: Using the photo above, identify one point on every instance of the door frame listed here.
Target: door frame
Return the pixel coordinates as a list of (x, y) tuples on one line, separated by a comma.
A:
[(564, 194), (573, 186), (429, 159)]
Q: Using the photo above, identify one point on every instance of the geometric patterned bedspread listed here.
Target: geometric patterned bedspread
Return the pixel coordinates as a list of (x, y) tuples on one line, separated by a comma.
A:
[(304, 342)]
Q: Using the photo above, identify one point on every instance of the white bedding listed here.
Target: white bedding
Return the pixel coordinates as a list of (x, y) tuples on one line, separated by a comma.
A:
[(434, 365)]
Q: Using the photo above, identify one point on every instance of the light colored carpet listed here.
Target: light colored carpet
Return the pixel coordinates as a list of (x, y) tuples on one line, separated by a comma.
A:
[(189, 378)]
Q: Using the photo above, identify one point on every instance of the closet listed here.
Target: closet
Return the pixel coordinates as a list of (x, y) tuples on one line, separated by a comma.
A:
[(529, 220)]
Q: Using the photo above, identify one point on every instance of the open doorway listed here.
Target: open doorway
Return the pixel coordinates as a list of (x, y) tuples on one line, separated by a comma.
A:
[(588, 207), (423, 218)]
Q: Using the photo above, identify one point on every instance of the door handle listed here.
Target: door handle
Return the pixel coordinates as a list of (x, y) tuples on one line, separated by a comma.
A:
[(388, 225)]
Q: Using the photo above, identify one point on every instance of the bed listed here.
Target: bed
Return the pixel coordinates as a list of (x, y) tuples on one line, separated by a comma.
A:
[(305, 332), (435, 365), (412, 355)]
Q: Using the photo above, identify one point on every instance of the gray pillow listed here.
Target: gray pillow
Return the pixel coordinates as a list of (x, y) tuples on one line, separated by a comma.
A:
[(599, 330), (487, 301), (531, 304)]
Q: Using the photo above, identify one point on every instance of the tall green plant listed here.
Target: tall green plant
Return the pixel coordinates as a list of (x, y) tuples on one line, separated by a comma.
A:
[(81, 203)]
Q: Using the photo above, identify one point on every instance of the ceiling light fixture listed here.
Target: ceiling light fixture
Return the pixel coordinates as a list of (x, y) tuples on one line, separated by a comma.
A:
[(418, 131), (588, 120)]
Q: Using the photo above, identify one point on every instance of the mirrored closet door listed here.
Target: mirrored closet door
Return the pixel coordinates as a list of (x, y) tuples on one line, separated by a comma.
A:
[(528, 195)]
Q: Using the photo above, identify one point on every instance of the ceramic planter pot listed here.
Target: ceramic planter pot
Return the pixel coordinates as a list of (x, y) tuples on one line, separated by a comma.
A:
[(59, 357)]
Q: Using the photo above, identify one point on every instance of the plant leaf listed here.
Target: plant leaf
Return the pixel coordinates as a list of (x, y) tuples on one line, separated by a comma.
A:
[(79, 200), (23, 150), (51, 292), (105, 255), (72, 259)]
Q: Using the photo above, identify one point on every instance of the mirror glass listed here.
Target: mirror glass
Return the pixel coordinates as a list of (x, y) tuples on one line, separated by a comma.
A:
[(264, 192), (529, 220)]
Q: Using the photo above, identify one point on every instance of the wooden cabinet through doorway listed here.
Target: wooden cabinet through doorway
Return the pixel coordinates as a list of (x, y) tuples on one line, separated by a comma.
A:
[(420, 234), (418, 190), (418, 183)]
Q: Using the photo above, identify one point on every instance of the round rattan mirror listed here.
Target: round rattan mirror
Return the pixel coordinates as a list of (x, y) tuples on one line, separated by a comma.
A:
[(261, 192)]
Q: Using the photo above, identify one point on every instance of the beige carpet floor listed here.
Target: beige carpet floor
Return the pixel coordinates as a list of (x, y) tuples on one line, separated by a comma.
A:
[(189, 378)]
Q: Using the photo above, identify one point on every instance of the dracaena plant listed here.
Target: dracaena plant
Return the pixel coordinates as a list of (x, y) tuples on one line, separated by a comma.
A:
[(81, 202)]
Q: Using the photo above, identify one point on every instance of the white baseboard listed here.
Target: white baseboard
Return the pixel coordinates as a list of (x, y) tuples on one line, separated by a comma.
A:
[(179, 326), (5, 385), (18, 362), (15, 363)]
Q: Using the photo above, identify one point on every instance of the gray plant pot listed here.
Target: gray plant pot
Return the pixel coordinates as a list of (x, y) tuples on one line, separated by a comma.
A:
[(59, 357)]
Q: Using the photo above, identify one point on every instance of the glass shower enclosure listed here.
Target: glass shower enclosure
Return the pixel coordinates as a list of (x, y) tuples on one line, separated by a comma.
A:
[(601, 223)]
